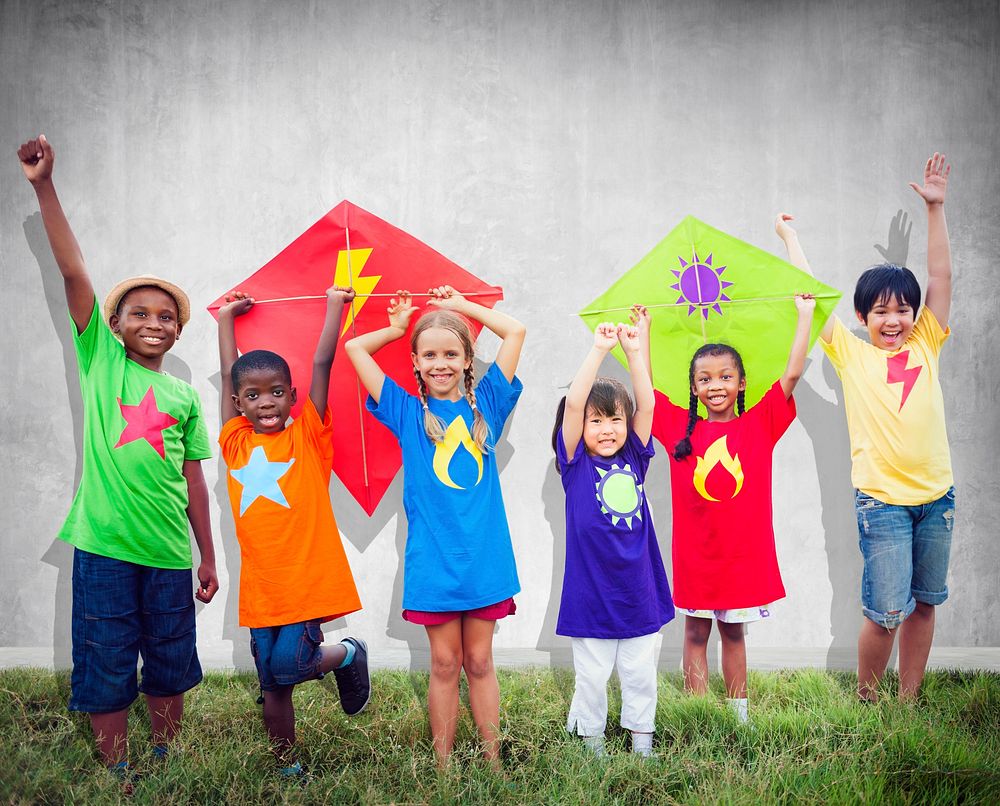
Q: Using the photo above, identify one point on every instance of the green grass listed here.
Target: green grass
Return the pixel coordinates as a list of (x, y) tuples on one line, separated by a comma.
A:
[(811, 742)]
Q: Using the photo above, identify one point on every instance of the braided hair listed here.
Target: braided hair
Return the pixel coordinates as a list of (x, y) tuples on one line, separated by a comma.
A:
[(459, 325), (683, 448)]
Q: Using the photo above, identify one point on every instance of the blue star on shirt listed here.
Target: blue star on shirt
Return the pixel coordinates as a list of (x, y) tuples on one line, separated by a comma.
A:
[(259, 477)]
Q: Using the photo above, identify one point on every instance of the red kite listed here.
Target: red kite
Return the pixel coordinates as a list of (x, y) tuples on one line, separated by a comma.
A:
[(347, 246)]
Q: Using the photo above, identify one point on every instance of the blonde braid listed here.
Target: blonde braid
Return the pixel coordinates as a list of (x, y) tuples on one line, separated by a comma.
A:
[(480, 430), (433, 425)]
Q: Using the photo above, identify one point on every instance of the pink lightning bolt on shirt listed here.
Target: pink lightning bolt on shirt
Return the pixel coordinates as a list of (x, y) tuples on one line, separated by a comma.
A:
[(895, 413)]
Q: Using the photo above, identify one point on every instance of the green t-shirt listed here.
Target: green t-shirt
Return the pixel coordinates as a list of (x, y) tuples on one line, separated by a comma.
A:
[(139, 427)]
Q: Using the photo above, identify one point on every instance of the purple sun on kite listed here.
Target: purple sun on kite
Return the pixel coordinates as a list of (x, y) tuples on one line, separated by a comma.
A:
[(700, 284)]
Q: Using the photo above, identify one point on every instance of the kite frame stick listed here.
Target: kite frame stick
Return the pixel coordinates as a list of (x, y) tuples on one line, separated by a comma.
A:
[(358, 296), (705, 304)]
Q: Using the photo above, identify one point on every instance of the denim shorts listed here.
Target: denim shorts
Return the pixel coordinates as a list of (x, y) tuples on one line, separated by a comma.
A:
[(121, 611), (906, 551), (288, 654)]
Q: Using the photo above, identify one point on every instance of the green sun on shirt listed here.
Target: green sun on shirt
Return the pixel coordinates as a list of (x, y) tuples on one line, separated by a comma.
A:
[(139, 427)]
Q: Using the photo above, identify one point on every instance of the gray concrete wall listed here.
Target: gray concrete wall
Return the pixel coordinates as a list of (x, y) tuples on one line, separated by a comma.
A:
[(545, 146)]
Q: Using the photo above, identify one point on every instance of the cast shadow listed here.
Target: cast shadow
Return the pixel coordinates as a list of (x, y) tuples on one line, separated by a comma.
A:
[(826, 426), (60, 553)]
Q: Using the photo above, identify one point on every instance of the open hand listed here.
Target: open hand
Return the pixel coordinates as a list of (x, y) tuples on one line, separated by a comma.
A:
[(237, 304), (935, 180), (782, 227), (344, 293), (400, 310), (606, 336), (208, 583), (444, 296), (37, 159)]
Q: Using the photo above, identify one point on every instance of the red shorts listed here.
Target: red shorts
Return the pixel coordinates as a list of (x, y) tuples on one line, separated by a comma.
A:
[(493, 612)]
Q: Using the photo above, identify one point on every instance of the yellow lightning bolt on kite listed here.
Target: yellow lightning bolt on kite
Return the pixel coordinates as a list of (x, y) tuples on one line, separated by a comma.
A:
[(350, 264)]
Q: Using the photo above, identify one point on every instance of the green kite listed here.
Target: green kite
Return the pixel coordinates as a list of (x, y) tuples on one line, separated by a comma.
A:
[(702, 285)]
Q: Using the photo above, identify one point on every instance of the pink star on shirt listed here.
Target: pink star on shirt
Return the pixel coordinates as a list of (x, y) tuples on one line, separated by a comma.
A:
[(145, 421)]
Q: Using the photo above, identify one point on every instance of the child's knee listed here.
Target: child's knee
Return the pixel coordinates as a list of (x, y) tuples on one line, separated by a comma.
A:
[(697, 630), (889, 620), (477, 665), (446, 665), (731, 633)]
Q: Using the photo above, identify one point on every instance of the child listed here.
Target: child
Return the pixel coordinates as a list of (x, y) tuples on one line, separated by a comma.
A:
[(615, 595), (905, 499), (294, 574), (144, 439), (459, 572), (724, 562)]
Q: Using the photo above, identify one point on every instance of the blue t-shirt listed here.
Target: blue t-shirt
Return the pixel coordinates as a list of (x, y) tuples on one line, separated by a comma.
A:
[(458, 550), (614, 585)]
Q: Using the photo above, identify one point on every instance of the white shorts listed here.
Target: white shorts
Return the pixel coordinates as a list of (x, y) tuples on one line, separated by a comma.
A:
[(742, 615)]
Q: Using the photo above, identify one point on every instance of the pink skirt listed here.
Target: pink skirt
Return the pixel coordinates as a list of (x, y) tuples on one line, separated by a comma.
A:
[(493, 612)]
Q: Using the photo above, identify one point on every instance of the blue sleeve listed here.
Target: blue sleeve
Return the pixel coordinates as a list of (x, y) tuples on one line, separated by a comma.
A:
[(495, 398), (393, 407)]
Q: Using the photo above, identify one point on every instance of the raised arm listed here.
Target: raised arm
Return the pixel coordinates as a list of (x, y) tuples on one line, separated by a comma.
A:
[(632, 339), (361, 348), (639, 316), (934, 190), (605, 338), (37, 161), (237, 304), (506, 327), (805, 304), (798, 259), (326, 346)]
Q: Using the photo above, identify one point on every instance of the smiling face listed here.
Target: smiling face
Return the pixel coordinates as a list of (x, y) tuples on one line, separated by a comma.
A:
[(717, 382), (889, 323), (265, 397), (147, 322), (441, 361), (604, 434)]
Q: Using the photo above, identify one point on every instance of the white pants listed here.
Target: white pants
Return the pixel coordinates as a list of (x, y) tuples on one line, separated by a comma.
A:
[(593, 660)]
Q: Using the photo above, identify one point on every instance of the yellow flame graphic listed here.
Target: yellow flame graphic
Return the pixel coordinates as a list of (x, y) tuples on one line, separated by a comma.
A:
[(717, 453), (456, 434), (348, 272)]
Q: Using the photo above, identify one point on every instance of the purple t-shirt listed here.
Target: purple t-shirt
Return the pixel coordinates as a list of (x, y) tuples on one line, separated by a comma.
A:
[(614, 585)]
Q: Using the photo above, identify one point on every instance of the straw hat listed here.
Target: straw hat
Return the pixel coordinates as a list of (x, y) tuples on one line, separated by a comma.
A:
[(120, 290)]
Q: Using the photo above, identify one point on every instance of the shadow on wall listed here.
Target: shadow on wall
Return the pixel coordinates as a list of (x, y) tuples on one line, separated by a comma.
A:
[(60, 554)]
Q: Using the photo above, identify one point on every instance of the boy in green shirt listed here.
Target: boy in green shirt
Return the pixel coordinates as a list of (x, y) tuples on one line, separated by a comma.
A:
[(144, 439)]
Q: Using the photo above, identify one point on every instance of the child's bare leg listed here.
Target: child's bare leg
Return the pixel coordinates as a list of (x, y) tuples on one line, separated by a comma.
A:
[(915, 637), (165, 714), (279, 719), (874, 649), (442, 691), (484, 690), (696, 634), (111, 734), (734, 660)]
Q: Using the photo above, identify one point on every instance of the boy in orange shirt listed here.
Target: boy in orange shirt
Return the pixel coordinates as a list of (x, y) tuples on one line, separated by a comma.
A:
[(294, 573)]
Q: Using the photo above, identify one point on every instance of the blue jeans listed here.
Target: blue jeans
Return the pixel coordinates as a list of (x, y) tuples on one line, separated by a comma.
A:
[(906, 551), (121, 611), (288, 654)]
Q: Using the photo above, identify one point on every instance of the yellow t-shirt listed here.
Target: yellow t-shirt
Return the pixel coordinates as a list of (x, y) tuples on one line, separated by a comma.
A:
[(895, 413)]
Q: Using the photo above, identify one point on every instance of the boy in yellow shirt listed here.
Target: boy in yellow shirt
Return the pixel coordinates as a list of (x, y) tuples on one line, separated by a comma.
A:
[(905, 498)]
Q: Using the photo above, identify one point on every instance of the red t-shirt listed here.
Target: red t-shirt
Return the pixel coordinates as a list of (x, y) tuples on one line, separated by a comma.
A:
[(293, 564), (723, 538)]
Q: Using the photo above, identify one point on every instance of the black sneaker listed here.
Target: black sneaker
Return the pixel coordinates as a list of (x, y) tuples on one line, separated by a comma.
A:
[(353, 681)]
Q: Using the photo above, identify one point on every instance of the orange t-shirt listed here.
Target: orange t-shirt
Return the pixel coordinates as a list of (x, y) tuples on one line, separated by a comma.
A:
[(293, 564)]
